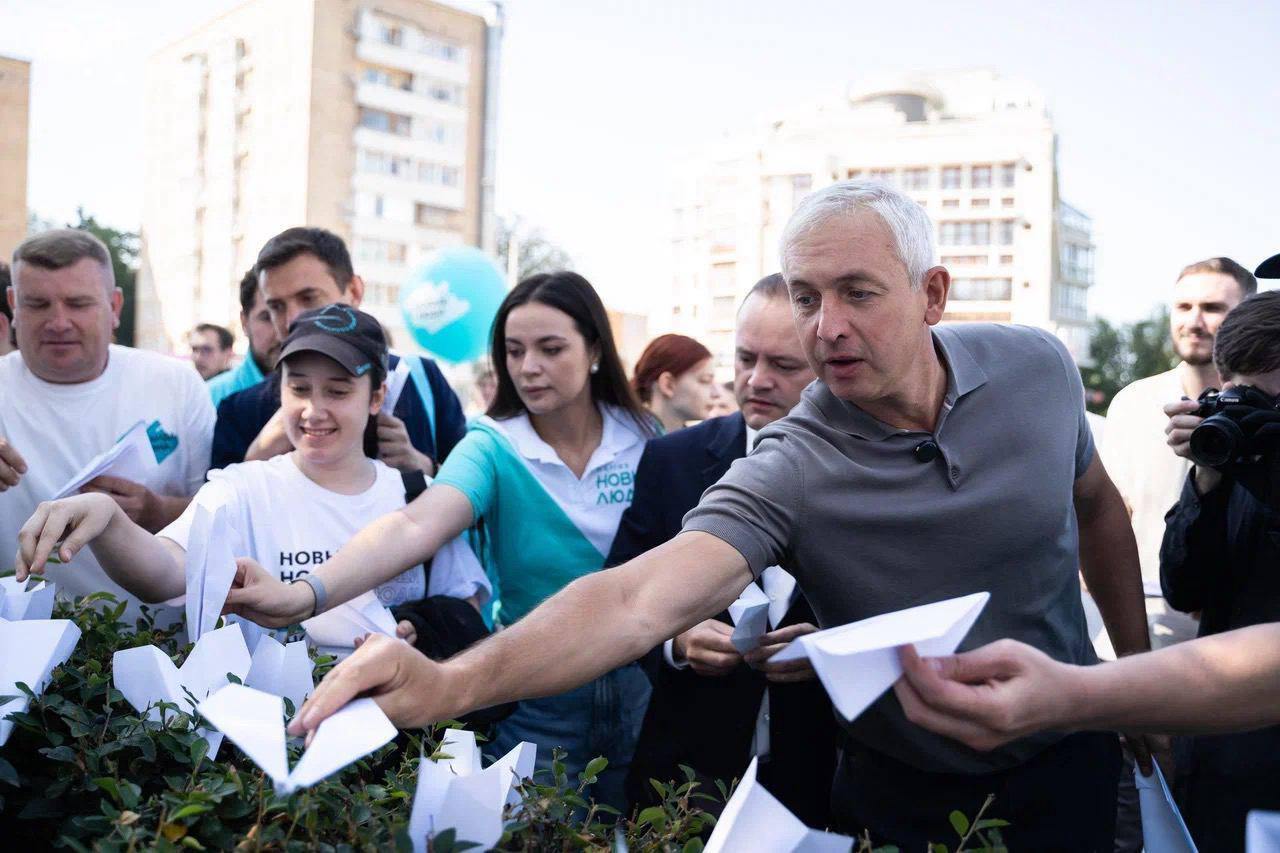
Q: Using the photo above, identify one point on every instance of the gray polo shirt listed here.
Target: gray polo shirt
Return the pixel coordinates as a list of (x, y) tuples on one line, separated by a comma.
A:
[(839, 499)]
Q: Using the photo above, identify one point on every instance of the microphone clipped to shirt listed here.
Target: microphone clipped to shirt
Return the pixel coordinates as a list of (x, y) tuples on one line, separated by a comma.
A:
[(926, 451)]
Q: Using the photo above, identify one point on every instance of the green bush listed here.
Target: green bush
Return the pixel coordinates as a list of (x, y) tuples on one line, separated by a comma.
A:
[(84, 771)]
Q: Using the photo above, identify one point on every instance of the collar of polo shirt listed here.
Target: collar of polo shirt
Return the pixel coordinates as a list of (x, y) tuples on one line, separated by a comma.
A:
[(963, 375)]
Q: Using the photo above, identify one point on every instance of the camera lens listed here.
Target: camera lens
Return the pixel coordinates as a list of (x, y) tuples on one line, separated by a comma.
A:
[(1214, 443)]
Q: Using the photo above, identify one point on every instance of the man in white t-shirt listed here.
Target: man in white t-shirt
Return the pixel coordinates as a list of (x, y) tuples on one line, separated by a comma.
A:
[(68, 393), (1144, 468)]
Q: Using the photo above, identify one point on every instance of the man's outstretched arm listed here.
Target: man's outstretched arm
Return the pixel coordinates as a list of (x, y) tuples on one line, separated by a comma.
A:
[(997, 693), (596, 624)]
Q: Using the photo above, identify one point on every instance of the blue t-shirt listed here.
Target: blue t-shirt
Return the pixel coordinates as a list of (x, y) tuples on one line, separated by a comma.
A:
[(243, 415)]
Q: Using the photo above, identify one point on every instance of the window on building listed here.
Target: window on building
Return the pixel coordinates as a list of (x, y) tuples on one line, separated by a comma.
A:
[(378, 206), (800, 187), (380, 251), (722, 310), (951, 177), (1006, 202), (853, 173), (1071, 301), (386, 122), (981, 289), (1008, 171), (1006, 232), (980, 202), (445, 93), (884, 176), (390, 34), (981, 233), (951, 202), (438, 49), (963, 260), (915, 179), (980, 177), (432, 217), (1006, 260), (449, 176)]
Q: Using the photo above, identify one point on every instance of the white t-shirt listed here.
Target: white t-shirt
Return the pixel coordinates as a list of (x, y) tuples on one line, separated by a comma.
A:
[(290, 525), (1148, 474), (59, 428)]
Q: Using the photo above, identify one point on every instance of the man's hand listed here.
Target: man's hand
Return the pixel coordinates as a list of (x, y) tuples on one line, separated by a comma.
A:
[(259, 596), (395, 449), (66, 525), (410, 688), (707, 648), (142, 505), (271, 441), (989, 696), (1145, 748), (404, 631), (1181, 424), (12, 465), (774, 642)]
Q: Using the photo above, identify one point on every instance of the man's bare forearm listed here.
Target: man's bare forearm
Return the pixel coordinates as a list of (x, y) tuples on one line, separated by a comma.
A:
[(1109, 563), (598, 623), (1226, 682)]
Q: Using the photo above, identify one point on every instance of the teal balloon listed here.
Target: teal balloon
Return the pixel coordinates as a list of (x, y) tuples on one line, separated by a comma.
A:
[(449, 303)]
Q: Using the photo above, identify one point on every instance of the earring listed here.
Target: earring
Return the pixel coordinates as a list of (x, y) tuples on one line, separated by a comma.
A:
[(595, 367)]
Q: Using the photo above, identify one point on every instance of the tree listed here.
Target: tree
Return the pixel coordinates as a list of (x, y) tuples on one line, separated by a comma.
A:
[(124, 247), (1124, 354), (534, 252)]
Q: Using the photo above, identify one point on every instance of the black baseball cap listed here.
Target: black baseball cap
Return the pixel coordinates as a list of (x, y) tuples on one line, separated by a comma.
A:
[(347, 335), (1270, 268)]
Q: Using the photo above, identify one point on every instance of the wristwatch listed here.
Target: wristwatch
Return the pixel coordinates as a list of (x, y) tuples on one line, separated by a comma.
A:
[(317, 589)]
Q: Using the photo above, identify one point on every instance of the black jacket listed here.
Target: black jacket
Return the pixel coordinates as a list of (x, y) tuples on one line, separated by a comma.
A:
[(1221, 556), (708, 723)]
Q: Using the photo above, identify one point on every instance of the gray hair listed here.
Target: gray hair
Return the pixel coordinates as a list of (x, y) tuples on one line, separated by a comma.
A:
[(59, 248), (906, 220)]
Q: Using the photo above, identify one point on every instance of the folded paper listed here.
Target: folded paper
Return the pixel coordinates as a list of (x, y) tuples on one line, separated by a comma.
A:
[(254, 721), (130, 458), (1162, 826), (859, 661), (455, 793), (32, 648), (753, 819), (286, 671), (761, 607), (210, 570), (336, 630), (1262, 832), (395, 386), (22, 603)]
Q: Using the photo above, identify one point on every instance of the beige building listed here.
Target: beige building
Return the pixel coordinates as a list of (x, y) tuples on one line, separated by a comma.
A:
[(371, 118), (978, 150), (15, 109)]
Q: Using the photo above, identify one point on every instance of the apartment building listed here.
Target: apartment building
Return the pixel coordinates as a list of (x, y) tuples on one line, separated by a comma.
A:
[(15, 108), (371, 118), (978, 150)]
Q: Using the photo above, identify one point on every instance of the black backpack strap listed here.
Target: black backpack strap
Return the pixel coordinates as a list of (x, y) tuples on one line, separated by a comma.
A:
[(415, 483)]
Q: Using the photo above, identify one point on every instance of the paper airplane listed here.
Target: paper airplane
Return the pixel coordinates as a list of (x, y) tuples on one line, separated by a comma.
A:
[(859, 661), (32, 649), (254, 721), (19, 603), (130, 458), (286, 671), (210, 569), (753, 819), (336, 630), (395, 385), (454, 793), (758, 610), (1163, 829), (1262, 832)]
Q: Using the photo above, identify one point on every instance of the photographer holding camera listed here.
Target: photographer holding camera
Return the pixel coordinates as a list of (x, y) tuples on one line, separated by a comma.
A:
[(1221, 551)]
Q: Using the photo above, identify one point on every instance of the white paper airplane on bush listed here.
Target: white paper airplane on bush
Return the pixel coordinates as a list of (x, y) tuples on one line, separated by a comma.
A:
[(30, 649), (254, 721), (859, 661), (19, 603), (131, 458), (454, 793), (210, 569), (336, 630), (758, 610), (1163, 829), (753, 819)]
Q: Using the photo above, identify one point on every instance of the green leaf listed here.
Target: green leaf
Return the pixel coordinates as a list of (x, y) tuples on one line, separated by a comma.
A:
[(990, 823), (937, 848), (189, 810), (199, 749), (654, 815), (693, 845), (7, 773), (129, 794), (593, 769), (959, 823), (109, 785)]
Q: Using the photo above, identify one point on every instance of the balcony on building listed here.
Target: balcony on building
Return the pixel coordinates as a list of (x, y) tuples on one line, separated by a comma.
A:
[(392, 42)]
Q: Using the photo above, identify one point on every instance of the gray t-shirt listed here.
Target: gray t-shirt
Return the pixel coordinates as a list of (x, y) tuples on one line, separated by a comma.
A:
[(839, 499)]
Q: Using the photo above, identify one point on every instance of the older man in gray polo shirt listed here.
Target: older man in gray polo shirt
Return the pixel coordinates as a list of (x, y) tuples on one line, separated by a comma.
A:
[(924, 463)]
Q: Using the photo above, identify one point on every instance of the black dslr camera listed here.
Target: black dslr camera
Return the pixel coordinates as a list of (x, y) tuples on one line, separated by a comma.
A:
[(1241, 426)]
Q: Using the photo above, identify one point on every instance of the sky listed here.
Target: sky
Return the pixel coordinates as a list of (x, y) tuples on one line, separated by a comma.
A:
[(1168, 115)]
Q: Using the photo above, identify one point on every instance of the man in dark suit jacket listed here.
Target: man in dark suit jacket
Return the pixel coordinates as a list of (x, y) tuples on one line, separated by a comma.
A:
[(706, 710)]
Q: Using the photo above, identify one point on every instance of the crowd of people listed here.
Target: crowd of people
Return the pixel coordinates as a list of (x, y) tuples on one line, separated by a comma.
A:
[(598, 522)]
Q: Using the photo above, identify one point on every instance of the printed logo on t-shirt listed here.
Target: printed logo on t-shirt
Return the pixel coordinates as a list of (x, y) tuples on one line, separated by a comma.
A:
[(296, 564), (162, 443), (615, 484)]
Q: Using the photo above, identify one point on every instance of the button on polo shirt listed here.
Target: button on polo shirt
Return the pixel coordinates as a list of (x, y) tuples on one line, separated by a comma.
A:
[(840, 500)]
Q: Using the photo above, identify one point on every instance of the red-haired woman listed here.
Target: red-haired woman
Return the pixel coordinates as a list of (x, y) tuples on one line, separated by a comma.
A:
[(675, 381)]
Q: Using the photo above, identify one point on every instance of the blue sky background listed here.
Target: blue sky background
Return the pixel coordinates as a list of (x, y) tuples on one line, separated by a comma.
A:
[(1168, 114)]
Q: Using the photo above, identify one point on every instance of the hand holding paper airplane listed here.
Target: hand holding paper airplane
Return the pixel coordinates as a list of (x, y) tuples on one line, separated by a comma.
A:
[(336, 630), (759, 609), (254, 721), (131, 458)]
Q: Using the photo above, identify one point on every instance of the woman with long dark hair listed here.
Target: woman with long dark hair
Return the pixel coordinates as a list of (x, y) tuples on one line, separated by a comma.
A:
[(549, 469)]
